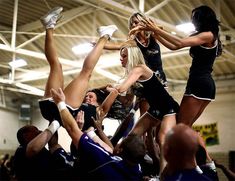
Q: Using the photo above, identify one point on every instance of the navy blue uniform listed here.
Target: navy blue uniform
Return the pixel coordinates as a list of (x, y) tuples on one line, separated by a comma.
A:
[(200, 83), (98, 164), (187, 175), (161, 103), (63, 164), (210, 173), (39, 167), (50, 112), (43, 165)]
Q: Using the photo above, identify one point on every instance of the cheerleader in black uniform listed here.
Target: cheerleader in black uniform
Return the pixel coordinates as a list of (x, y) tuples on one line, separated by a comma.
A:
[(205, 47), (77, 97), (163, 107), (150, 49)]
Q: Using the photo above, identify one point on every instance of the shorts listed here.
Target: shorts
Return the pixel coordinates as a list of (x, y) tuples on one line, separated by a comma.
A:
[(165, 110), (201, 88), (50, 112)]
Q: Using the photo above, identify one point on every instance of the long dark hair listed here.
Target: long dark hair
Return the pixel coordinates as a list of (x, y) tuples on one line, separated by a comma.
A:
[(117, 111), (204, 19), (101, 94)]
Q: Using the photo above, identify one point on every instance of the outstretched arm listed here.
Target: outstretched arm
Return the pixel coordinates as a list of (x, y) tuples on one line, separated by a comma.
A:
[(133, 76), (111, 45), (53, 144), (108, 102), (100, 140), (153, 148), (98, 125), (173, 42), (40, 141), (69, 122), (116, 45)]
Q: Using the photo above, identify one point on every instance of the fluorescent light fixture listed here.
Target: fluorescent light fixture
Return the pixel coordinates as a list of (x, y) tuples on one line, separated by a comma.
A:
[(83, 48), (32, 89), (18, 63), (25, 106), (186, 27)]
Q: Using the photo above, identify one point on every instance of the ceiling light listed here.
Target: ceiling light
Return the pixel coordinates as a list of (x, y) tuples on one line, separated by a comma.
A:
[(18, 63), (32, 89), (83, 48), (186, 27)]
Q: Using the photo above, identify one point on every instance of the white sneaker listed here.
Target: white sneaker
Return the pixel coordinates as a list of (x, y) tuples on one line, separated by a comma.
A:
[(107, 30), (156, 178), (49, 20)]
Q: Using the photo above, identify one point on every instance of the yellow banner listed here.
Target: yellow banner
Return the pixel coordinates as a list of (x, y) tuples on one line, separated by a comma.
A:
[(209, 132)]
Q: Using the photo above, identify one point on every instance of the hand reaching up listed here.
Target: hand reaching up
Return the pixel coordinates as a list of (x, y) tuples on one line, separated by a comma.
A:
[(58, 95), (80, 119), (98, 122)]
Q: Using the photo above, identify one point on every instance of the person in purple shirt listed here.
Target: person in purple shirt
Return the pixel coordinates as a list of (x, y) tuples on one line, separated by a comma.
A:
[(97, 163)]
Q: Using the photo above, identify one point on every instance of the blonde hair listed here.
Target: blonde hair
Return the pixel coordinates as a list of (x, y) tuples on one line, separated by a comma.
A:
[(137, 15), (140, 16), (135, 58)]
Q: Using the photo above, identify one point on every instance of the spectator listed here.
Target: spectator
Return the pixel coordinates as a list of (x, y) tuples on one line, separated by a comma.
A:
[(180, 150), (32, 160)]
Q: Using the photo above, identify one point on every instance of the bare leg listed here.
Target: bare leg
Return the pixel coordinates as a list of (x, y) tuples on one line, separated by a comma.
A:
[(202, 108), (144, 106), (55, 79), (76, 90), (144, 123), (168, 122), (153, 149), (189, 116)]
